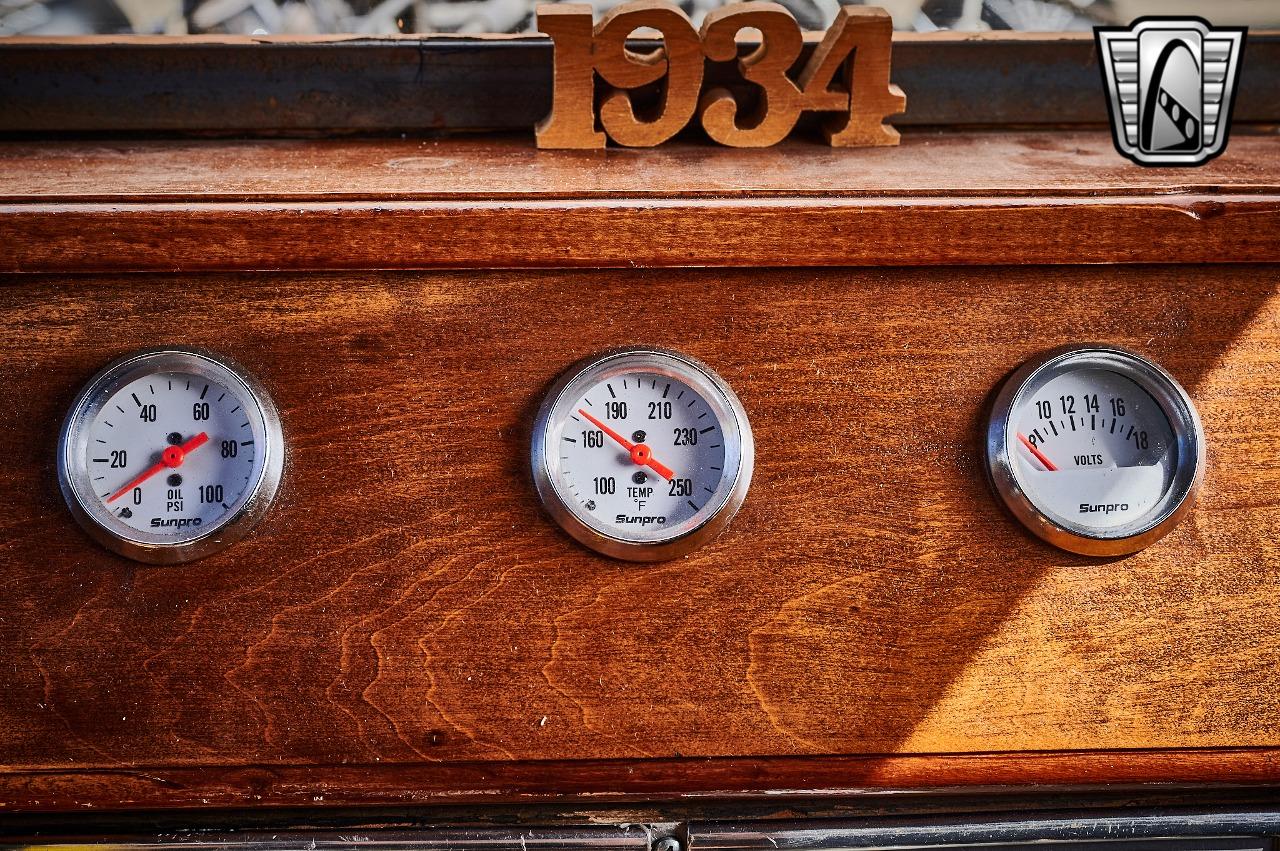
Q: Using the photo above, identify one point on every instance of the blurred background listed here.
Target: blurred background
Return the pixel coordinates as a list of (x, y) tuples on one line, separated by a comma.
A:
[(381, 17)]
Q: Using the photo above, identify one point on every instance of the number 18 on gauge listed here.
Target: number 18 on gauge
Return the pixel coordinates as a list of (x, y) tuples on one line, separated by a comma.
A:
[(1095, 449)]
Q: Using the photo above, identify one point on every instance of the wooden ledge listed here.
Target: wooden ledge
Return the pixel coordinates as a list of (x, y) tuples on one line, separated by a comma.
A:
[(957, 198)]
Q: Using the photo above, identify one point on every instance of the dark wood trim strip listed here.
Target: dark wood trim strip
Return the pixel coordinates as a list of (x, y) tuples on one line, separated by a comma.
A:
[(269, 86), (621, 781), (1192, 228), (990, 829)]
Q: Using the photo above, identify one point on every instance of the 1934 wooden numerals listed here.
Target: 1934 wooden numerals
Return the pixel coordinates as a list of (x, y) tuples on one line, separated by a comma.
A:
[(847, 76)]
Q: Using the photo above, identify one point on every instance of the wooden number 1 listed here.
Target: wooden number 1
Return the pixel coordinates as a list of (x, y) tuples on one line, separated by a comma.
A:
[(572, 120), (847, 75)]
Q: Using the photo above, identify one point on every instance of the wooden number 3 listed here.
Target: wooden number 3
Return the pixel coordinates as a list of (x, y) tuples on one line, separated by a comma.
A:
[(647, 98)]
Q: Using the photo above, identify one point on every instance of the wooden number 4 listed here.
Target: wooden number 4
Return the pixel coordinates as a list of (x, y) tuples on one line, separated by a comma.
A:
[(847, 75), (856, 51)]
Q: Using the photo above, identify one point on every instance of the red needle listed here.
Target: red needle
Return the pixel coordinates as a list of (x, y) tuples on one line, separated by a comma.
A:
[(1036, 452), (171, 457), (640, 453)]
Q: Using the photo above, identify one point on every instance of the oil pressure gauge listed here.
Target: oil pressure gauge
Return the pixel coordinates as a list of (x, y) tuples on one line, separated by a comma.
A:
[(642, 454), (169, 455), (1095, 449)]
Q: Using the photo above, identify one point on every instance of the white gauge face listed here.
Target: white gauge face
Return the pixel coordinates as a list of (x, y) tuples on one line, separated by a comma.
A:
[(165, 449), (1092, 448), (638, 452), (1102, 445)]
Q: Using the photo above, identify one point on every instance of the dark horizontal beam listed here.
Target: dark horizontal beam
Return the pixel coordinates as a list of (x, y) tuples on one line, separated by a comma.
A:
[(406, 84)]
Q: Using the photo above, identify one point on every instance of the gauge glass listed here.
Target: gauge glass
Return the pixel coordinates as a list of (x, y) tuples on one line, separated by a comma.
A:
[(169, 455), (1096, 449), (642, 454)]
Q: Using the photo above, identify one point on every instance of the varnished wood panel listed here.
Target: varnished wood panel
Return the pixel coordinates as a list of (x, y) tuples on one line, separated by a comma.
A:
[(1062, 197), (407, 625), (637, 233), (1001, 164)]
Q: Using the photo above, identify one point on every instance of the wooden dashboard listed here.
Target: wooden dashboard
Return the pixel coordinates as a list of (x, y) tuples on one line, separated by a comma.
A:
[(408, 627)]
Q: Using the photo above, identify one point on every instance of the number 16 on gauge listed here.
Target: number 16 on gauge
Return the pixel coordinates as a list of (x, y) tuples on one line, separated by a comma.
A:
[(1095, 449)]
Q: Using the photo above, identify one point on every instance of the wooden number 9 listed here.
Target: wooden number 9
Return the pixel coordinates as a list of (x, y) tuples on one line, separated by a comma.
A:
[(679, 60), (780, 99)]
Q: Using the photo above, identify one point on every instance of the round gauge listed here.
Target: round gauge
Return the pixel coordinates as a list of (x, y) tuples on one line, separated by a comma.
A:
[(169, 455), (642, 454), (1095, 449)]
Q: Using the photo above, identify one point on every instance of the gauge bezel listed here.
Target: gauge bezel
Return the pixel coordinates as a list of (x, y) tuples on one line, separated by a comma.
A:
[(1183, 487), (739, 447), (82, 499)]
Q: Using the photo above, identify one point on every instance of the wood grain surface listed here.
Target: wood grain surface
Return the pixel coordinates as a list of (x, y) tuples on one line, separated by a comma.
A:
[(406, 625), (984, 198), (1007, 163)]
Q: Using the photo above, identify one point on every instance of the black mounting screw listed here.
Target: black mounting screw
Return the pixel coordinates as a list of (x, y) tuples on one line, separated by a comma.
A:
[(638, 436), (174, 438), (174, 480), (639, 478)]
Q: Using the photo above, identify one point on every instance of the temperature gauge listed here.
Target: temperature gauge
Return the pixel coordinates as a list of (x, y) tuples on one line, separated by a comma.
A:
[(1095, 449), (169, 455), (642, 454)]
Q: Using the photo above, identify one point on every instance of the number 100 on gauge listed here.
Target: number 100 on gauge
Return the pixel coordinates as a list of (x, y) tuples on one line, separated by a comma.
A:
[(642, 454)]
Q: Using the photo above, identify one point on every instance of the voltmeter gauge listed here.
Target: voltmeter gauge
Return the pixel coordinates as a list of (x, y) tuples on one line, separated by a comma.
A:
[(1095, 449), (169, 455), (642, 454)]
